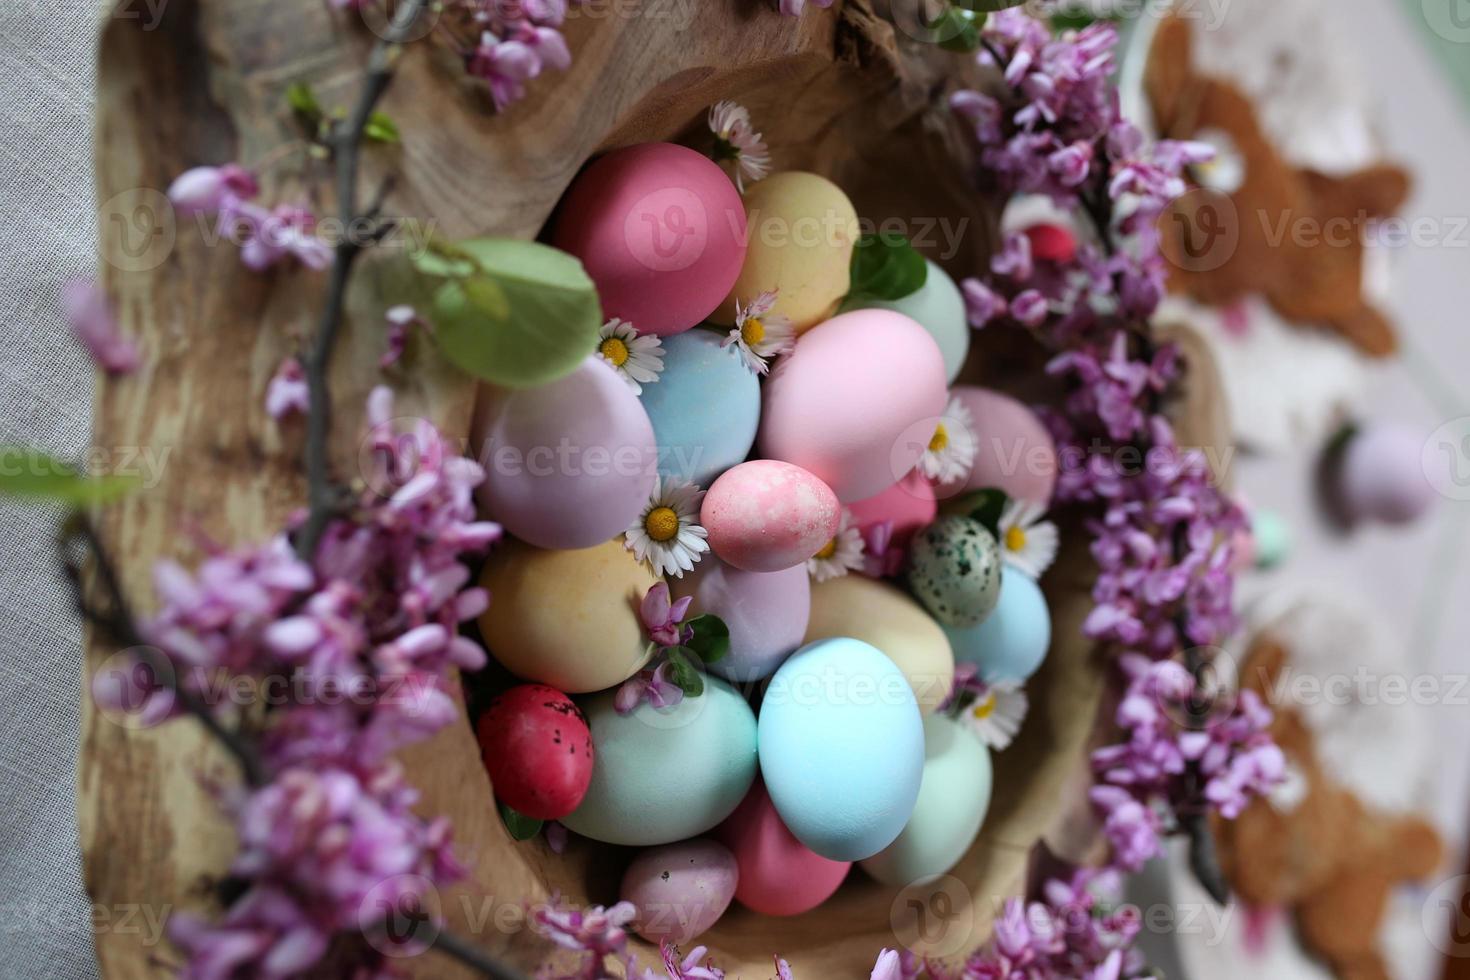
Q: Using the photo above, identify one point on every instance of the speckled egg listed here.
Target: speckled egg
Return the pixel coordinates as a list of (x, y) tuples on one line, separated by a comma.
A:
[(766, 515), (1011, 644), (801, 231), (908, 507), (955, 570), (538, 751), (660, 229), (705, 407), (953, 799), (1380, 476), (779, 875), (1013, 450), (664, 774), (841, 748), (939, 308), (846, 402), (566, 618), (880, 615), (680, 890), (767, 613), (570, 463)]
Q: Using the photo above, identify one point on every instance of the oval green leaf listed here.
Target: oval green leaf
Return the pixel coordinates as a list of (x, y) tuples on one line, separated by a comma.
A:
[(33, 475)]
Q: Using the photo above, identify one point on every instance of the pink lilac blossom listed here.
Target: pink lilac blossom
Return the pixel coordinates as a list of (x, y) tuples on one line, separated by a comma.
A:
[(96, 328), (265, 235), (795, 8), (664, 621), (288, 391), (519, 39), (402, 321)]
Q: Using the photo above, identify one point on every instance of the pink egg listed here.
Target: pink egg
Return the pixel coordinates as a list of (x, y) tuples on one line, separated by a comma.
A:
[(779, 875), (680, 890), (661, 231), (1013, 450), (766, 515), (767, 613), (908, 505), (1380, 475), (569, 464), (851, 402)]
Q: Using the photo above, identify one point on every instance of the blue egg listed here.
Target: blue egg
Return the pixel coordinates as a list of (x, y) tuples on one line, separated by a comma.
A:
[(705, 407), (666, 774), (842, 748), (1012, 642)]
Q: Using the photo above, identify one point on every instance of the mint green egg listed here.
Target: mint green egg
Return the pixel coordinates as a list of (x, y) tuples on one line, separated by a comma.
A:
[(665, 774), (939, 308), (1272, 536), (953, 798)]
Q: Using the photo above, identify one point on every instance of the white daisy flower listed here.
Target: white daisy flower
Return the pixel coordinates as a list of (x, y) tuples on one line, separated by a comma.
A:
[(667, 534), (736, 140), (1027, 543), (996, 715), (842, 554), (639, 358), (760, 334), (951, 450)]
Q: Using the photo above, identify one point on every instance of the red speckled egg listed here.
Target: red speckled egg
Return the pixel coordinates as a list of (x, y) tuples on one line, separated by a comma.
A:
[(538, 751)]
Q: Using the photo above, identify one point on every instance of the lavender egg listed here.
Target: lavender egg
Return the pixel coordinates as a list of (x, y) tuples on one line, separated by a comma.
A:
[(680, 890), (767, 613), (1380, 478)]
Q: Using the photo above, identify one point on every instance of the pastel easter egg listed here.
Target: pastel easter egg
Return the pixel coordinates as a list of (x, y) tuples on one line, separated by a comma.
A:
[(1380, 476), (955, 570), (908, 507), (845, 403), (705, 407), (766, 515), (884, 617), (661, 231), (779, 875), (566, 618), (664, 774), (939, 308), (801, 231), (571, 463), (841, 748), (537, 750), (1013, 450), (766, 612), (953, 799), (1270, 538), (1011, 644), (680, 890)]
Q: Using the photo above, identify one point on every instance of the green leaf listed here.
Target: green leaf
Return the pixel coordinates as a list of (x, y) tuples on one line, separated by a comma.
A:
[(521, 827), (33, 475), (885, 266), (382, 129), (1071, 20), (512, 312), (685, 675), (957, 30), (711, 639), (986, 6), (303, 102), (984, 506)]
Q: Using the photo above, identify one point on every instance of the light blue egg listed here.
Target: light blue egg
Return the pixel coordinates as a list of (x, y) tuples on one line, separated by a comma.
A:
[(841, 748), (1013, 641), (939, 308), (665, 774), (1273, 538), (953, 798), (705, 407)]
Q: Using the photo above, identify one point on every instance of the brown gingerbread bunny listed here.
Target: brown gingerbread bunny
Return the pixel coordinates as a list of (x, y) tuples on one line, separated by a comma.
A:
[(1321, 853), (1295, 235)]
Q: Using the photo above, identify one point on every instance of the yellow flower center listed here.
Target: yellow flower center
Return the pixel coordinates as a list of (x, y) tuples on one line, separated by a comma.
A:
[(614, 350), (939, 440), (662, 524), (1015, 538), (828, 550), (984, 708), (752, 331)]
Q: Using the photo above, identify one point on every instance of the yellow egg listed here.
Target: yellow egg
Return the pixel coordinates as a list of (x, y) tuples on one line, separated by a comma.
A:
[(877, 613), (801, 230), (566, 618)]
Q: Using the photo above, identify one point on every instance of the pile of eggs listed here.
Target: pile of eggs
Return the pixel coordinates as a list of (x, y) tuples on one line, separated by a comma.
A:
[(816, 742)]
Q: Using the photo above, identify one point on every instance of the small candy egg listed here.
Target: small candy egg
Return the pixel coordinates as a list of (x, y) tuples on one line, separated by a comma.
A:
[(1013, 450), (841, 748), (1012, 643), (801, 231), (1270, 538), (538, 751), (705, 407), (766, 612), (1380, 476), (909, 506), (680, 890), (844, 403), (939, 308), (779, 875), (566, 618), (661, 231), (877, 613), (953, 798), (766, 515), (571, 463), (955, 570), (664, 774)]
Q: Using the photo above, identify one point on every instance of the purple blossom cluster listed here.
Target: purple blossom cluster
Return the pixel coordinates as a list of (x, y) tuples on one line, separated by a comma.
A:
[(518, 40), (266, 235), (598, 934)]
